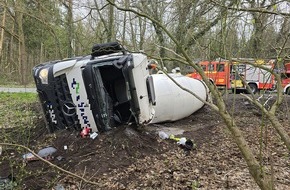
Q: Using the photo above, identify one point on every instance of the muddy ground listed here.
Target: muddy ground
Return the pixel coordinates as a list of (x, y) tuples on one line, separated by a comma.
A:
[(131, 157)]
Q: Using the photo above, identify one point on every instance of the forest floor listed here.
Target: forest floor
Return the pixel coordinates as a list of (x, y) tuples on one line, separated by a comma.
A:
[(131, 157)]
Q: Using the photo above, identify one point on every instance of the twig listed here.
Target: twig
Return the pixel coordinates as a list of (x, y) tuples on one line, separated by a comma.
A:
[(51, 164)]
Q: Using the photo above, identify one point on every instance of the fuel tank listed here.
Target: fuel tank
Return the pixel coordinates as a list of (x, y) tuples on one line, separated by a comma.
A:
[(173, 103)]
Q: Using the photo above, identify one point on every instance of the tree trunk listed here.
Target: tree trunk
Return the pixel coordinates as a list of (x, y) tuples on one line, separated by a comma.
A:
[(70, 30), (22, 51), (142, 29), (111, 25), (280, 129), (2, 32)]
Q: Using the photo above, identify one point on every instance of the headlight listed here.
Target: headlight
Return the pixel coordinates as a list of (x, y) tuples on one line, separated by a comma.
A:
[(43, 75)]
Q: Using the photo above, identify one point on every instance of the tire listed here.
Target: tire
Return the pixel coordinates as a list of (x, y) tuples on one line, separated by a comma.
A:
[(253, 88), (288, 91), (238, 91)]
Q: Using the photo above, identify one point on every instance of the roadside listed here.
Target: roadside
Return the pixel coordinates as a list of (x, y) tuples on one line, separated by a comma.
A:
[(7, 89)]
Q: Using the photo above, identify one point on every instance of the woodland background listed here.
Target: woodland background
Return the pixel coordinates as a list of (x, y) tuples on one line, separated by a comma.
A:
[(176, 33), (37, 31)]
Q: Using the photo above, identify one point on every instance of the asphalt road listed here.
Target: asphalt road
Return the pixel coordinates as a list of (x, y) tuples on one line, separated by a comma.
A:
[(15, 90)]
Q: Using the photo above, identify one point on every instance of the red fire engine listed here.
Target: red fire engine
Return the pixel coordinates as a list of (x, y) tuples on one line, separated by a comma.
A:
[(218, 72), (286, 75), (256, 78), (227, 75)]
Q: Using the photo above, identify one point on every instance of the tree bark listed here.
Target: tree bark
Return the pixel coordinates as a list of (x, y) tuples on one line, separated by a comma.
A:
[(70, 29), (22, 56), (2, 32)]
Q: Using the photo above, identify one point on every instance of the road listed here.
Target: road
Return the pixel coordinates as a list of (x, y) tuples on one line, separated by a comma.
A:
[(6, 89)]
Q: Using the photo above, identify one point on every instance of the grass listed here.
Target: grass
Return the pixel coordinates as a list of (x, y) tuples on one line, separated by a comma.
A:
[(18, 115), (18, 97), (15, 109), (12, 85)]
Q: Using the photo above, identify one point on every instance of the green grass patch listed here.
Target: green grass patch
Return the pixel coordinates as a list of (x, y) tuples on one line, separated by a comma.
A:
[(17, 109), (23, 97)]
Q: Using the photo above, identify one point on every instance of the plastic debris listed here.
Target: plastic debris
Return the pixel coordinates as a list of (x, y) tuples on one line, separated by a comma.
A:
[(181, 141), (163, 135), (45, 153), (85, 132), (0, 150), (29, 157), (93, 135), (65, 147), (187, 144)]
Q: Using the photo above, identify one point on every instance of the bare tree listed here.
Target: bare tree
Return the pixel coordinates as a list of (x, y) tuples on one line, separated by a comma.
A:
[(70, 29), (2, 31)]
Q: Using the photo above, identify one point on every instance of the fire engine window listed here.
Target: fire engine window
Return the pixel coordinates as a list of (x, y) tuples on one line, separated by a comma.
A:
[(203, 67), (220, 67), (210, 67)]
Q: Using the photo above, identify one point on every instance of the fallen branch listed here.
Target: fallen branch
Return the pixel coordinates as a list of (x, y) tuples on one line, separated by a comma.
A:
[(51, 164)]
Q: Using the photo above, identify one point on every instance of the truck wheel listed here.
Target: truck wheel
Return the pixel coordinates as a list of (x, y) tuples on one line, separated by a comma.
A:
[(237, 91), (253, 88), (288, 91)]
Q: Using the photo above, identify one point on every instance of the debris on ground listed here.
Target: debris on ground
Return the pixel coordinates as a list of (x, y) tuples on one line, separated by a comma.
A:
[(163, 135), (185, 143), (45, 153), (87, 132)]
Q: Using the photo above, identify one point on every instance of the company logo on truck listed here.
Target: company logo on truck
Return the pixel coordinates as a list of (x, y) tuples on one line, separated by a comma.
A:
[(80, 104), (69, 108)]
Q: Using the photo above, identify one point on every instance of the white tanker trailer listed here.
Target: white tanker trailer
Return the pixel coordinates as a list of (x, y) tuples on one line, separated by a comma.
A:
[(112, 87), (173, 103)]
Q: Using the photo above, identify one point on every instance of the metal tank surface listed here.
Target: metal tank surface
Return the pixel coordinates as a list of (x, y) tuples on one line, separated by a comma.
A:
[(173, 103)]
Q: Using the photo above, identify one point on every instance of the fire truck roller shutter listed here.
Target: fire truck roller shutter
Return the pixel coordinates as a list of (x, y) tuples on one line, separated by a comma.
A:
[(173, 103)]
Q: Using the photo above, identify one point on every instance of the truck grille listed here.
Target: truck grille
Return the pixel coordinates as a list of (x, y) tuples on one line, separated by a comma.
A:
[(54, 97), (63, 97)]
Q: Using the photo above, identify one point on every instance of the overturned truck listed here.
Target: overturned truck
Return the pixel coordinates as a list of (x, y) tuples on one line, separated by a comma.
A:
[(111, 87)]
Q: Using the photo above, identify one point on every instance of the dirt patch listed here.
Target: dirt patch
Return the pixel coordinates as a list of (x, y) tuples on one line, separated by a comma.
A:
[(131, 157)]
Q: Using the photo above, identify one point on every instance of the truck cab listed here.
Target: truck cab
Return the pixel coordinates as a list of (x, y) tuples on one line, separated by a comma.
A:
[(96, 91)]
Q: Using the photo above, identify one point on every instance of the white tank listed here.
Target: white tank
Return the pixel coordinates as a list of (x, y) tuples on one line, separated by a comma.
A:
[(173, 103)]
